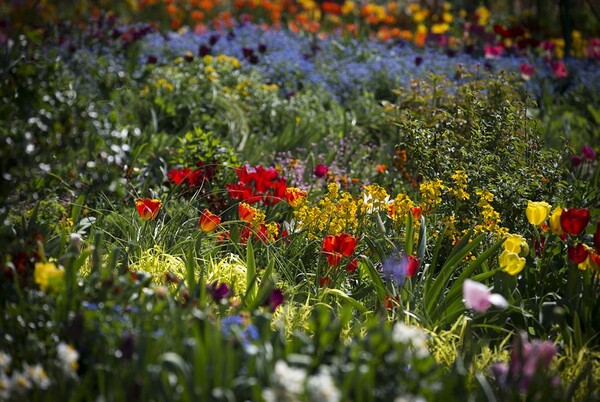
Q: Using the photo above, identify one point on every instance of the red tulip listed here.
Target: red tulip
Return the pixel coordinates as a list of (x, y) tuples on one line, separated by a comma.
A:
[(577, 253), (574, 221), (412, 266), (148, 208), (338, 246)]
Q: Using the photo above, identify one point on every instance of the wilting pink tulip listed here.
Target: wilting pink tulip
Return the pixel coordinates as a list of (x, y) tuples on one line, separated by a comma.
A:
[(479, 297)]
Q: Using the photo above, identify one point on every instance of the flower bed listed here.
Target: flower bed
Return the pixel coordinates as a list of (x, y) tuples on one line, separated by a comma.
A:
[(255, 213)]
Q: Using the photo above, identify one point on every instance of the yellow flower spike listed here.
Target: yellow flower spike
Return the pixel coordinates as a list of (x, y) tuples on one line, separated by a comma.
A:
[(537, 212), (511, 263), (555, 226)]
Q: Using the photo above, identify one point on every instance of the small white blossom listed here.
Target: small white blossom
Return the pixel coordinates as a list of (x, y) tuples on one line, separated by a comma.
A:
[(5, 386), (38, 376), (5, 361), (414, 337), (321, 387), (68, 357), (409, 398), (20, 382), (291, 378)]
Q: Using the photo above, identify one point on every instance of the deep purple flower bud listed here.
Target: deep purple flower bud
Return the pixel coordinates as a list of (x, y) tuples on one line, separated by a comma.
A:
[(217, 291), (247, 52), (262, 48), (214, 38), (152, 59), (418, 61), (204, 50), (575, 160), (275, 299)]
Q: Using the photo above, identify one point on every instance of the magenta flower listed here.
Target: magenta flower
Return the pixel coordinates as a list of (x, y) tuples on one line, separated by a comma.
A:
[(559, 69), (588, 152), (479, 297), (321, 170), (527, 71)]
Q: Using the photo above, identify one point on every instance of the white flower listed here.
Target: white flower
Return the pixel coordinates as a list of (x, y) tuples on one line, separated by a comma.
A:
[(409, 398), (290, 378), (5, 386), (5, 360), (321, 387), (20, 382), (414, 337), (68, 357), (37, 375)]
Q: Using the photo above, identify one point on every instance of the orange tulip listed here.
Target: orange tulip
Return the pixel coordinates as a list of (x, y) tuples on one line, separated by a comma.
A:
[(148, 208), (209, 221)]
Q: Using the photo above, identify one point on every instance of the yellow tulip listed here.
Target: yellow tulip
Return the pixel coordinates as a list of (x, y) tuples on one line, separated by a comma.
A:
[(537, 212), (511, 263), (516, 244), (555, 221)]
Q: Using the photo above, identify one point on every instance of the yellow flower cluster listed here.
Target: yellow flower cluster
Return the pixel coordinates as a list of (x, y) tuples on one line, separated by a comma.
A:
[(460, 178), (335, 213), (511, 259), (48, 276), (272, 231), (164, 84), (400, 207), (375, 198), (431, 191), (489, 216)]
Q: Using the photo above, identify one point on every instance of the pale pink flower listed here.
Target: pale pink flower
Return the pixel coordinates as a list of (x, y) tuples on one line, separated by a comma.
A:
[(479, 297)]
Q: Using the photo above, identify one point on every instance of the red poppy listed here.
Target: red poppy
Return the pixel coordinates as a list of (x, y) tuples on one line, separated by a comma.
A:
[(209, 221), (574, 221), (577, 253), (335, 247), (148, 208)]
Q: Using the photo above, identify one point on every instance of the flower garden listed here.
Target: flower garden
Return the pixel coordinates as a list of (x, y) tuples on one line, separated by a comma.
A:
[(277, 200)]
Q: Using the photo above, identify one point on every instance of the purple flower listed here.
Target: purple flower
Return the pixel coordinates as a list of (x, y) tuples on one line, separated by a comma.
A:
[(218, 292), (479, 297), (275, 299), (575, 160)]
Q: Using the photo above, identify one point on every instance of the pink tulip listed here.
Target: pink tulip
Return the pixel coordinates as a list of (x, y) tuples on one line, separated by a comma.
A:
[(479, 297)]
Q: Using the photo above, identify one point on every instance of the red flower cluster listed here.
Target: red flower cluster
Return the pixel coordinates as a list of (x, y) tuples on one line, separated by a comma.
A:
[(258, 184), (336, 247), (192, 178)]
